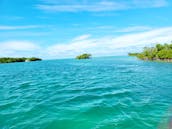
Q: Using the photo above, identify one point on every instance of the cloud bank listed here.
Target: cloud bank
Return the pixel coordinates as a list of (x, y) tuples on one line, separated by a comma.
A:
[(111, 45), (101, 46), (18, 49)]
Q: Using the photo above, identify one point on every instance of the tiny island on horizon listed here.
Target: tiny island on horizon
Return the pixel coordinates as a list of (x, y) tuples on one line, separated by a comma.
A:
[(83, 56)]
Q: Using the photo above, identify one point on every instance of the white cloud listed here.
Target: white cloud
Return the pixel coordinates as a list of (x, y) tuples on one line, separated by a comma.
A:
[(110, 45), (18, 45), (101, 46), (18, 48), (121, 30), (90, 6), (82, 37), (134, 29), (5, 27), (22, 34), (96, 7)]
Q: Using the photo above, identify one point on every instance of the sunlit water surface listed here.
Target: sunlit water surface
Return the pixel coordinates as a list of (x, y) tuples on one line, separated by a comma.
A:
[(100, 93)]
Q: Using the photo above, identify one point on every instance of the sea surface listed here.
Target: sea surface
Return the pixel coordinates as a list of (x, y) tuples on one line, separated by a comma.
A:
[(99, 93)]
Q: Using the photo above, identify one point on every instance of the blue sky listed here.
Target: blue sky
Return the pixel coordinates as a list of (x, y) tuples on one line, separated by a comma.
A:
[(53, 29)]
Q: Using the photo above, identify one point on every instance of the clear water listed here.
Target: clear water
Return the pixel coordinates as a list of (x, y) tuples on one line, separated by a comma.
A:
[(100, 93)]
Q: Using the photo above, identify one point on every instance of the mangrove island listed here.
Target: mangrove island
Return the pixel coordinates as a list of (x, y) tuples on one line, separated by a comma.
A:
[(22, 59), (161, 52), (84, 56)]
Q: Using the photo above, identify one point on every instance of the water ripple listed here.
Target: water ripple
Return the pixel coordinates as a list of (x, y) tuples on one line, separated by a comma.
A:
[(102, 93)]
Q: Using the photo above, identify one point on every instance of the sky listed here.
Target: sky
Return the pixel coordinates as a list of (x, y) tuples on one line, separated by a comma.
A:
[(54, 29)]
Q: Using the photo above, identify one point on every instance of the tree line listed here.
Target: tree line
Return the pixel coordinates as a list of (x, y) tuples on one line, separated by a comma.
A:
[(158, 52), (22, 59)]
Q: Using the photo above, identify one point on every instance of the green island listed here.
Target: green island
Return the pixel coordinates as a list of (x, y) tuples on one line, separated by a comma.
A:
[(160, 52), (22, 59), (84, 56)]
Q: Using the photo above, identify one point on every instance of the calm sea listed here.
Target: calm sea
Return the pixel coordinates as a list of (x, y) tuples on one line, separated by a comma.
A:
[(100, 93)]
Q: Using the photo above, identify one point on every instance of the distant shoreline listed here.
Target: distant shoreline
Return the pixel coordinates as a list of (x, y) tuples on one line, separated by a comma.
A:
[(22, 59), (160, 53)]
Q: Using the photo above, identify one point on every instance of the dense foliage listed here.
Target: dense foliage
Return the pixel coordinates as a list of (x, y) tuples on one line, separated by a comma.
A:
[(23, 59), (159, 52), (84, 56)]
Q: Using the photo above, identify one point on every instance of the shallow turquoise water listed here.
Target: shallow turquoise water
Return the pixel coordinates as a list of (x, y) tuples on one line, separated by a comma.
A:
[(101, 93)]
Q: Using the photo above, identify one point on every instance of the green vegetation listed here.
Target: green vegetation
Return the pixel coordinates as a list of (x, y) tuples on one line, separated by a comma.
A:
[(159, 52), (84, 56), (23, 59), (33, 59)]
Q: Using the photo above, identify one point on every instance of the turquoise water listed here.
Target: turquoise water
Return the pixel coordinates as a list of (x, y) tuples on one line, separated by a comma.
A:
[(100, 93)]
